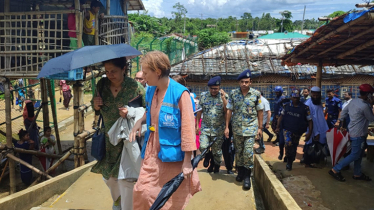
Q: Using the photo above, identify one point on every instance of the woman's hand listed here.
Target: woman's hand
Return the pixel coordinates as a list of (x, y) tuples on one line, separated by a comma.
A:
[(136, 129), (123, 112), (187, 166), (98, 102)]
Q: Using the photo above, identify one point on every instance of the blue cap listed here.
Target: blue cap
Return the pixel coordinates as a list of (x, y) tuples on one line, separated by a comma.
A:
[(278, 89), (215, 81), (295, 94), (245, 74)]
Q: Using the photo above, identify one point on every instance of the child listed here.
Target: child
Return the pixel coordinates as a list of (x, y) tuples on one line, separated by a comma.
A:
[(47, 143), (25, 143), (89, 23), (21, 97)]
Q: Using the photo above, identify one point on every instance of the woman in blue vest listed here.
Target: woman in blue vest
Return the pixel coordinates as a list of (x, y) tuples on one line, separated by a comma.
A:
[(295, 119), (170, 137)]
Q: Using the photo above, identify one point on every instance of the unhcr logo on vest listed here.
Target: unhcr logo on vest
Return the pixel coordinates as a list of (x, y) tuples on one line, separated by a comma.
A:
[(293, 114), (168, 120)]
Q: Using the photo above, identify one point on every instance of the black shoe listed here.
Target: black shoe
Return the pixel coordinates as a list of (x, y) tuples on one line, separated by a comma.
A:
[(259, 150), (280, 157), (207, 159), (216, 168), (229, 171), (240, 176), (277, 144), (270, 138), (274, 142), (337, 176), (302, 161), (211, 167), (289, 166), (247, 179)]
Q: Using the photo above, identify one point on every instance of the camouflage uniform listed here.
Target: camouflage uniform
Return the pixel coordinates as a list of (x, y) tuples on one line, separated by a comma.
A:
[(213, 123), (244, 123)]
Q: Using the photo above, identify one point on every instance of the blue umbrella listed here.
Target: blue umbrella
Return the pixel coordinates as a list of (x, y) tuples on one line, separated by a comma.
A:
[(86, 56)]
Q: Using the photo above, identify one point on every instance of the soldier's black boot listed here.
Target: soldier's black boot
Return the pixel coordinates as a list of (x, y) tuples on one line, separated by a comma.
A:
[(207, 159), (240, 175), (247, 179), (289, 165), (211, 167), (216, 168)]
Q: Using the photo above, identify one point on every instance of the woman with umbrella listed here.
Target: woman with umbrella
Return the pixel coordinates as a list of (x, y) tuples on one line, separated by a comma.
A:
[(112, 93), (170, 138)]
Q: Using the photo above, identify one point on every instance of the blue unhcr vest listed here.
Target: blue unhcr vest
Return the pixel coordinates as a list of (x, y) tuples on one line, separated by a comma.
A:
[(169, 123), (294, 119)]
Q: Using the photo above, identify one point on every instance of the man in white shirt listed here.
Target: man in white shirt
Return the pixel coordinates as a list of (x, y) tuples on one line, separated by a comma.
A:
[(266, 121)]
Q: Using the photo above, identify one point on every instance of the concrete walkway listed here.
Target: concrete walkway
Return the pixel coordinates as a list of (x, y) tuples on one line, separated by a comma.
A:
[(220, 191)]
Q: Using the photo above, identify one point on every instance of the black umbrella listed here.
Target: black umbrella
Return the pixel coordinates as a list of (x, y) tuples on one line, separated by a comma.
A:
[(171, 186)]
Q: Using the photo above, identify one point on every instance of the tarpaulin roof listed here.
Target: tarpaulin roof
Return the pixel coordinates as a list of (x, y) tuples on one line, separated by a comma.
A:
[(289, 35)]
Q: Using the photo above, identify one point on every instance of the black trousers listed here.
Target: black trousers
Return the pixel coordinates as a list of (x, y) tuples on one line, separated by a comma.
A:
[(228, 151), (291, 144)]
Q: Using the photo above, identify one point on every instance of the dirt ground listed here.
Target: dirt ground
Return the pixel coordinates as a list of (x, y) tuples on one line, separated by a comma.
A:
[(315, 187)]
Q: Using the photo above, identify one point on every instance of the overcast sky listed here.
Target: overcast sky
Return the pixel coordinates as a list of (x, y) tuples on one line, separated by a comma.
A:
[(236, 8)]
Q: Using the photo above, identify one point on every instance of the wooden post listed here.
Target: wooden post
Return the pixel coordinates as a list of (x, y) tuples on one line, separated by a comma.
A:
[(97, 29), (319, 74), (107, 7), (8, 122), (81, 125), (53, 108), (10, 156), (76, 125), (126, 30), (44, 90), (78, 22), (63, 158)]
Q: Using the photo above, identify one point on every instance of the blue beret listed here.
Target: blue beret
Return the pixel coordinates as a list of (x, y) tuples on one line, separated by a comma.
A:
[(214, 81), (245, 74)]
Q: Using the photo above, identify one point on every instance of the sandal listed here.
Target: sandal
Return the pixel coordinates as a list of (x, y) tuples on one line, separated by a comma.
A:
[(337, 176), (362, 177)]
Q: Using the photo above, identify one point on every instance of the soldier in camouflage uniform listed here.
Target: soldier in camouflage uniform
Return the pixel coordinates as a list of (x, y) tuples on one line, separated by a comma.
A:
[(246, 104), (213, 105)]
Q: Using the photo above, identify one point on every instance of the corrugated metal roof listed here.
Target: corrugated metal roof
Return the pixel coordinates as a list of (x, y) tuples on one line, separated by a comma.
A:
[(289, 35)]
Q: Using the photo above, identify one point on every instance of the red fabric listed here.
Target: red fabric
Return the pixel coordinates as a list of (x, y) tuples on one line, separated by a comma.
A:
[(71, 25), (366, 88), (64, 86)]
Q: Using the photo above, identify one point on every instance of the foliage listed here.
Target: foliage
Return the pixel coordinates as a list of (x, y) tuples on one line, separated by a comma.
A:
[(210, 37), (336, 14)]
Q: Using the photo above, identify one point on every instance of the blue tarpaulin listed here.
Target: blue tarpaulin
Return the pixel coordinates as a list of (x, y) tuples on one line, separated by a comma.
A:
[(354, 16), (115, 7)]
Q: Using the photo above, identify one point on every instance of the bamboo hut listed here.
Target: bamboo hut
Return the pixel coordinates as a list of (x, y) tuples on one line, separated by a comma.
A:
[(34, 31)]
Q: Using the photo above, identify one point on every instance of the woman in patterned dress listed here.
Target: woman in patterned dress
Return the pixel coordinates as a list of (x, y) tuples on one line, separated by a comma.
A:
[(112, 93)]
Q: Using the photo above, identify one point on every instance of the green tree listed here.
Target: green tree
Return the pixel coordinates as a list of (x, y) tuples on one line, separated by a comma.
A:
[(336, 14)]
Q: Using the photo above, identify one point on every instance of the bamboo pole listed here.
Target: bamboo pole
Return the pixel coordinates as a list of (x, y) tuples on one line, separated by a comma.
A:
[(344, 42), (32, 152), (97, 30), (76, 125), (107, 7), (2, 173), (8, 117), (356, 49), (338, 30), (44, 90), (28, 165), (38, 12), (63, 158), (81, 126), (53, 107), (78, 21), (319, 74)]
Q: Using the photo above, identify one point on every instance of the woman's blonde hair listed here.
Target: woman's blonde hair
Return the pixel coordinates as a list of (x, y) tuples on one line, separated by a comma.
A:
[(157, 60)]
